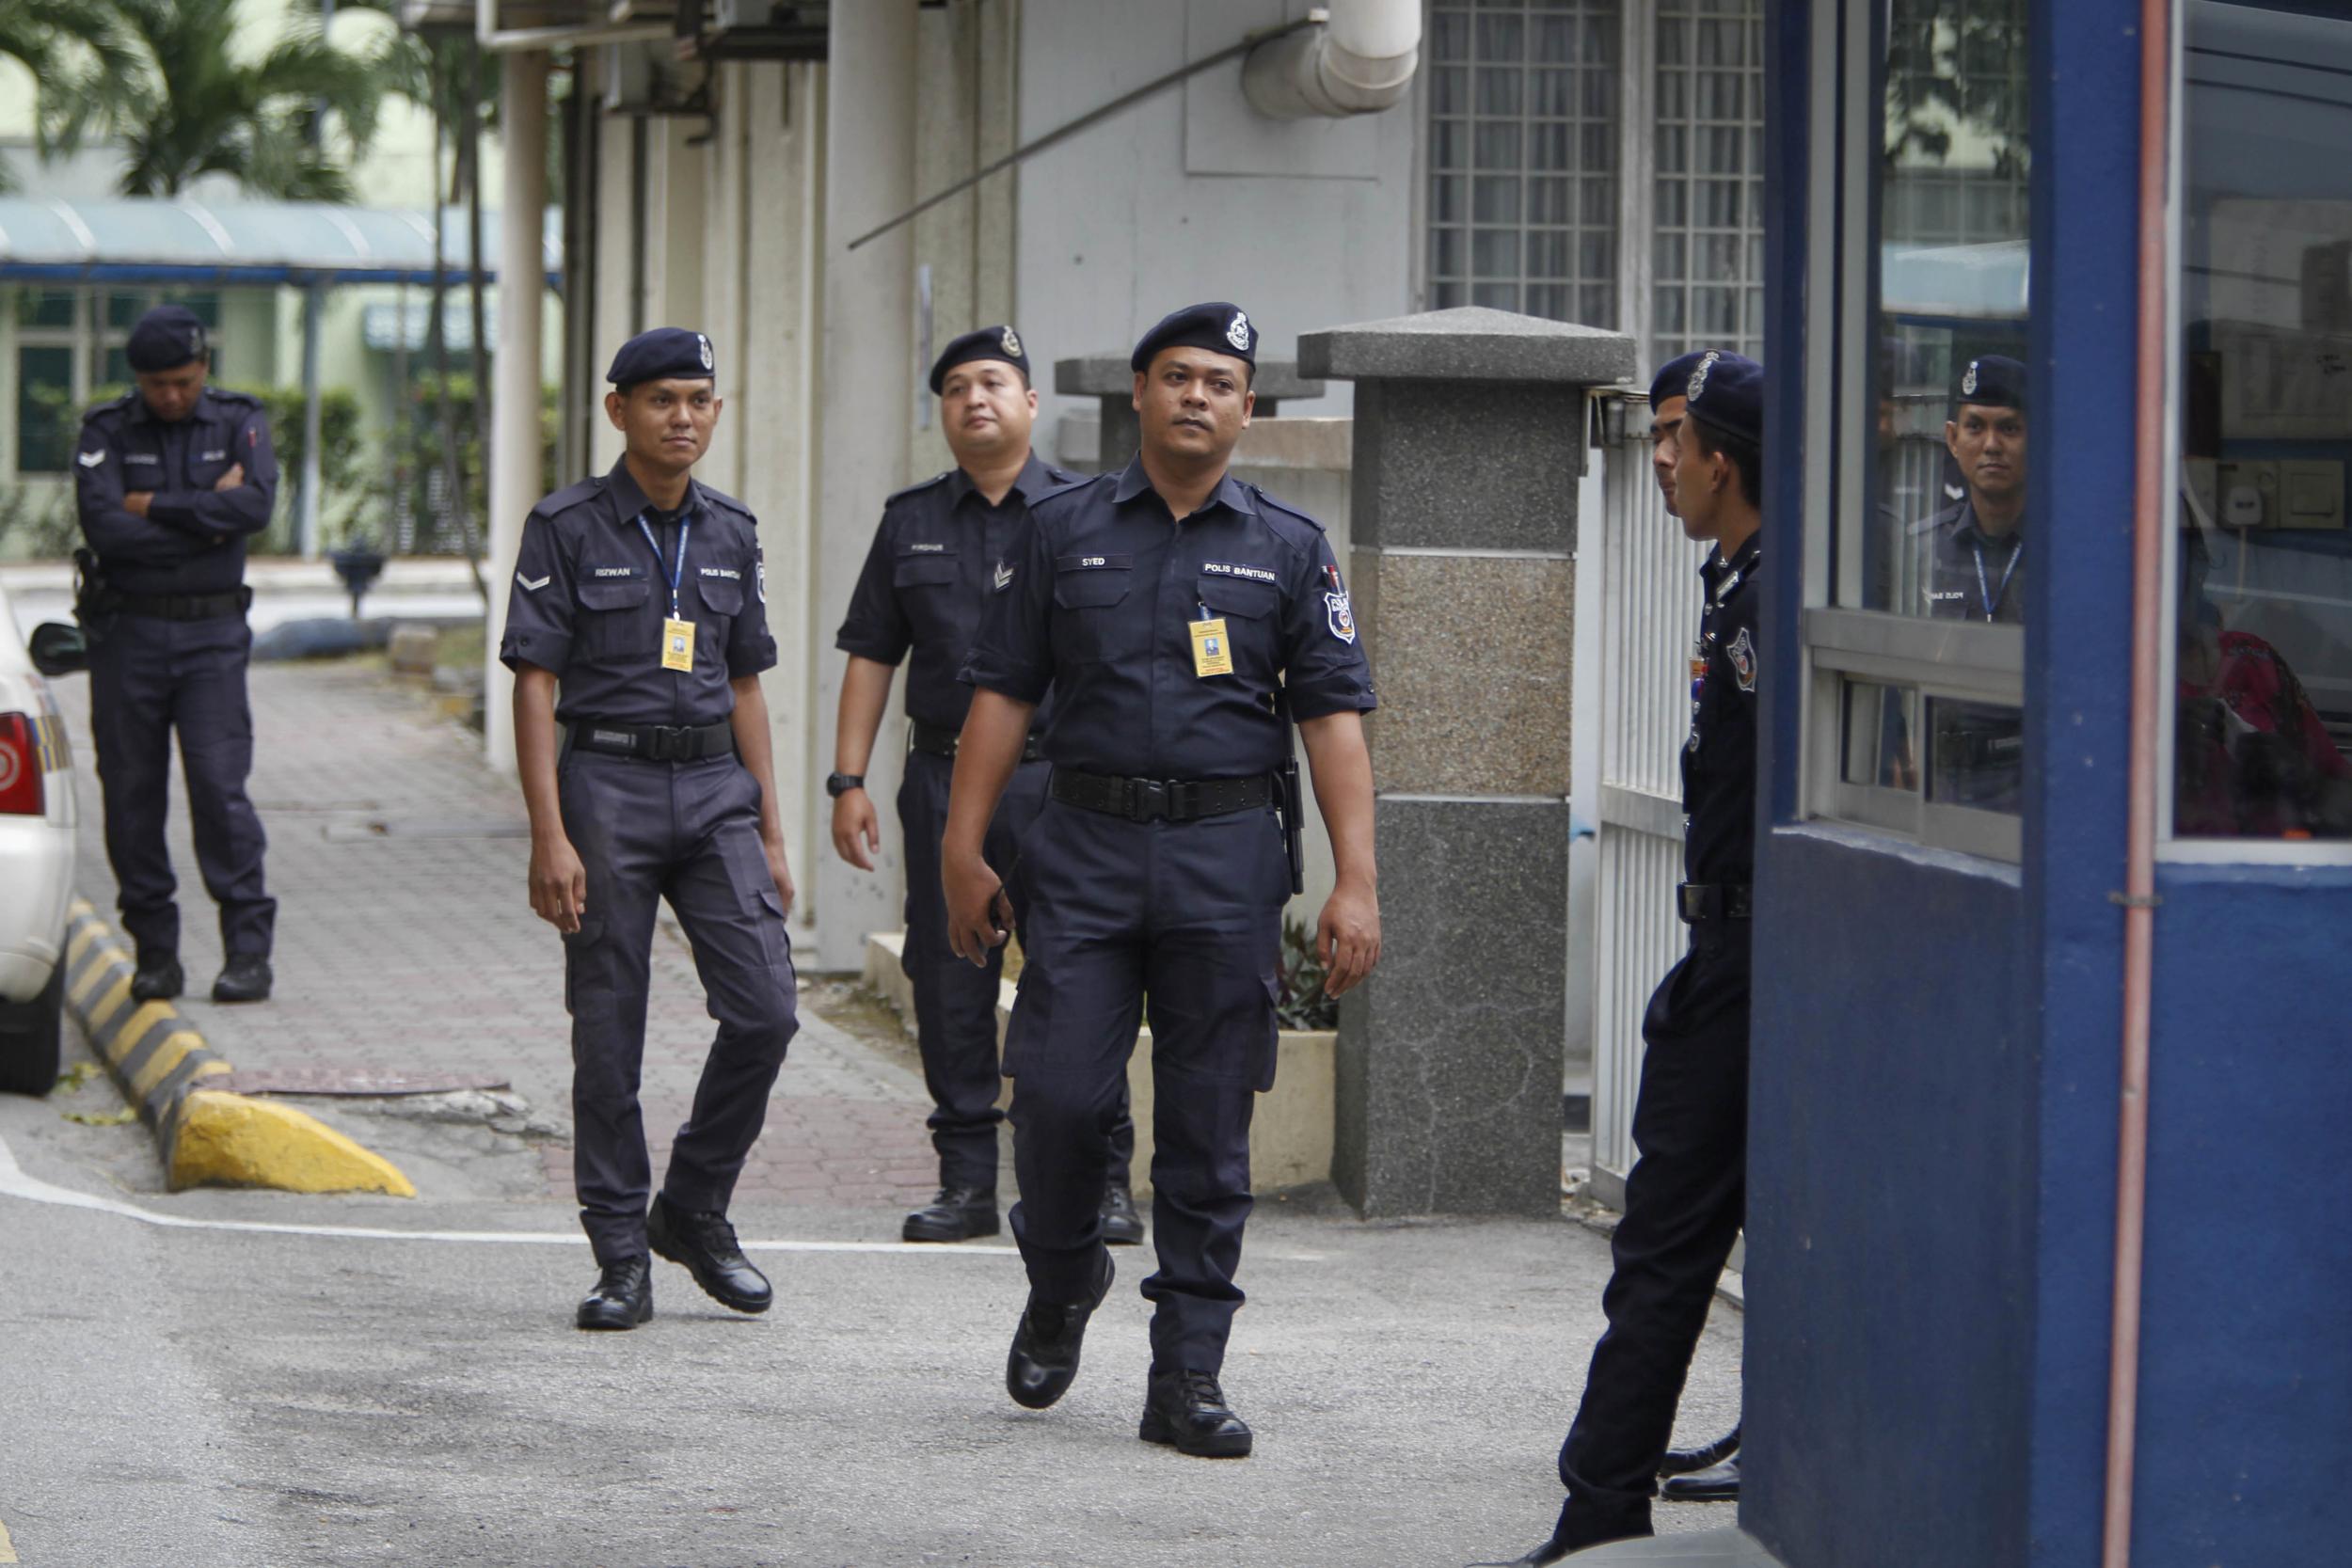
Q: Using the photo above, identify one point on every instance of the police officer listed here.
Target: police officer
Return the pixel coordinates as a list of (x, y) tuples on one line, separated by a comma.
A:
[(1977, 543), (171, 480), (1687, 1195), (637, 628), (925, 582), (1183, 619), (1709, 1473)]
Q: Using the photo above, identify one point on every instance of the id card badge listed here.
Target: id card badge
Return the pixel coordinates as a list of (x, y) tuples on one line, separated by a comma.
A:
[(1211, 654), (677, 644)]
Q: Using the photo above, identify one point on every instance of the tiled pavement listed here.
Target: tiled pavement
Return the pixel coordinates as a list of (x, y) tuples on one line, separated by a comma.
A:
[(405, 943)]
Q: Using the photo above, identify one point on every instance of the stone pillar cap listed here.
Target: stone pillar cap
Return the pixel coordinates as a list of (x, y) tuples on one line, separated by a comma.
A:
[(1470, 343), (1106, 376)]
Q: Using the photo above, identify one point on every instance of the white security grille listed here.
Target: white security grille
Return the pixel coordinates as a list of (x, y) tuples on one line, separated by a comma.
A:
[(1708, 278), (1649, 623), (1523, 150)]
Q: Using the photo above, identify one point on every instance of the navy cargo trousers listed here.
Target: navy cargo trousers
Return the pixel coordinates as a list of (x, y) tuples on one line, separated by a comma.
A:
[(1189, 914), (688, 833), (955, 1001), (149, 677), (1685, 1202)]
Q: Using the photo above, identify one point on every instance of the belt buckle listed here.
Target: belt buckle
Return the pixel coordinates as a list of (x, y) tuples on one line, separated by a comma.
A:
[(1691, 902), (1147, 799), (666, 743)]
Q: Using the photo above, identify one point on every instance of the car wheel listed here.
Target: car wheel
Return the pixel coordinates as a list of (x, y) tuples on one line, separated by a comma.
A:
[(30, 1037)]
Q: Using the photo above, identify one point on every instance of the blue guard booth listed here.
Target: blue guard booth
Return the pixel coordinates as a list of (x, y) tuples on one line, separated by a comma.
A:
[(2044, 675)]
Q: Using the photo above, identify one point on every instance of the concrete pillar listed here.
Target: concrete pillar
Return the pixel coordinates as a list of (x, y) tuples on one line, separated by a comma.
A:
[(867, 388), (1109, 378), (516, 454), (1469, 439)]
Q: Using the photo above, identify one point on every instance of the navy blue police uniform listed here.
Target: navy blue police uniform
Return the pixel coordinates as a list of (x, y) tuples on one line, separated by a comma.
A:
[(1969, 575), (1158, 865), (658, 805), (919, 598), (164, 602), (1687, 1195)]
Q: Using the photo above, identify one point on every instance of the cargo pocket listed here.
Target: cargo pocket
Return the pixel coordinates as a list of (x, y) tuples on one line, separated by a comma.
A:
[(1270, 1040), (926, 585), (722, 601), (1248, 608)]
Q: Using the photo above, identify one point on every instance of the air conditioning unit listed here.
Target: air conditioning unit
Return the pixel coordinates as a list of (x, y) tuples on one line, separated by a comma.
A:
[(627, 72)]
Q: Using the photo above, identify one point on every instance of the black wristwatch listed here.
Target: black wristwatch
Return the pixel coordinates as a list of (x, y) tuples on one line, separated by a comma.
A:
[(838, 784)]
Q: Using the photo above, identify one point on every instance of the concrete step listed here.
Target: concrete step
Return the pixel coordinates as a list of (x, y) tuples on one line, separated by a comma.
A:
[(1290, 1132)]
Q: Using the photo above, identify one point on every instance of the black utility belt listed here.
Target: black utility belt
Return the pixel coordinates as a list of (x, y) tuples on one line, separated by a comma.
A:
[(1160, 800), (655, 742), (1698, 901), (939, 741), (179, 606)]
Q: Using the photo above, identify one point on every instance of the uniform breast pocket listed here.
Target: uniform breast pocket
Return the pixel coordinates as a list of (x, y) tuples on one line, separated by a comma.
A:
[(1093, 620), (615, 620), (1249, 610), (926, 585)]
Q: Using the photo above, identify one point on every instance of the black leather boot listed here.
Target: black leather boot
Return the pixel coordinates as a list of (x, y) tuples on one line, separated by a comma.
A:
[(158, 978), (956, 1215), (704, 1242), (1681, 1462), (1187, 1411), (246, 977), (1044, 1357), (623, 1298), (1122, 1224), (1582, 1524)]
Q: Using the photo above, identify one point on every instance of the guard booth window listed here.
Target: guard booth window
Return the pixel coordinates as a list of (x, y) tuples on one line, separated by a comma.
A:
[(1916, 631), (2262, 564)]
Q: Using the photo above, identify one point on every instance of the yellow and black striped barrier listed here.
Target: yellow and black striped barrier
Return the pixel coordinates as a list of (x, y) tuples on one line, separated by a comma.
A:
[(209, 1138)]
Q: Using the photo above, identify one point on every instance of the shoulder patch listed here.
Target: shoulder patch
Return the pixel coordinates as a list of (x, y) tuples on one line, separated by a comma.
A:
[(1743, 655), (917, 487)]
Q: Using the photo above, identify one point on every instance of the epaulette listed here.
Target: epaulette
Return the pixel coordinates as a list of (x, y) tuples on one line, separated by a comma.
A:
[(569, 496), (917, 487), (1945, 517), (724, 502), (112, 405), (1283, 507)]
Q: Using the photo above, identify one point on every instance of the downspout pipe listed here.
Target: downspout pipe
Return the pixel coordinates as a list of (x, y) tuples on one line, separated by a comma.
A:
[(2140, 871), (1358, 58)]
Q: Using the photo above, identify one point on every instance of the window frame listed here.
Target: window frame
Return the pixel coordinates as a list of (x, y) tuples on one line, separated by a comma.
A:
[(2170, 847), (1937, 658)]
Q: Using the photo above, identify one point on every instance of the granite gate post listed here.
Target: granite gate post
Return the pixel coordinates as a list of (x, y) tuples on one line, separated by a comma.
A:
[(1469, 439)]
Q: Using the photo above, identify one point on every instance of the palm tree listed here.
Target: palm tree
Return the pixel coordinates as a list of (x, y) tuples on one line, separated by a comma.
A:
[(188, 106), (47, 37)]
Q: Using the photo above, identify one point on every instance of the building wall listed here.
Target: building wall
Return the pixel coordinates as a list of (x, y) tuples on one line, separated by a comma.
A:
[(1191, 195)]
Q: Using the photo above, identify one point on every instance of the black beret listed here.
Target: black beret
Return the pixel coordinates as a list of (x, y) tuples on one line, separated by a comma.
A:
[(1991, 381), (167, 337), (661, 354), (1726, 392), (988, 343), (1219, 328), (1673, 379)]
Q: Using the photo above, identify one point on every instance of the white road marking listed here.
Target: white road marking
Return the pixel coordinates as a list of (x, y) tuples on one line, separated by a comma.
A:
[(14, 1182)]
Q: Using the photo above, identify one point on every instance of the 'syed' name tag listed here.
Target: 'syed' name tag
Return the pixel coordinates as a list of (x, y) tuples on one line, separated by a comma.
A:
[(1212, 655), (677, 644)]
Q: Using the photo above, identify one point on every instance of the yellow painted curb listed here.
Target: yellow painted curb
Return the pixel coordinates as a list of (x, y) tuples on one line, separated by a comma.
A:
[(231, 1140), (207, 1137)]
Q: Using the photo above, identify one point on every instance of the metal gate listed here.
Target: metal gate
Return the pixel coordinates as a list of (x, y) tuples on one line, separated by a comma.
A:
[(1649, 619)]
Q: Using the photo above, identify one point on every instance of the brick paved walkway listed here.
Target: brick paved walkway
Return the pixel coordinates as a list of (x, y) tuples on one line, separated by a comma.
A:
[(405, 943)]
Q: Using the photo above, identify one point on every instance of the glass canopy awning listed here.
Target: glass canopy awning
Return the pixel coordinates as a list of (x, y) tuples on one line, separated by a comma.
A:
[(161, 240)]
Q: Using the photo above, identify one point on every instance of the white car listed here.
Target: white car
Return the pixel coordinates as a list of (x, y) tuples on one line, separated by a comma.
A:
[(37, 822)]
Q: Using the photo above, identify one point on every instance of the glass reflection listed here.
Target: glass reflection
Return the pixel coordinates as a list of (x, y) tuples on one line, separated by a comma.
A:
[(2263, 636)]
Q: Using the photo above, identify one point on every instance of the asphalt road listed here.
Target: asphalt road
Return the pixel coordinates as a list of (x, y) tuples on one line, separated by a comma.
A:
[(206, 1394)]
